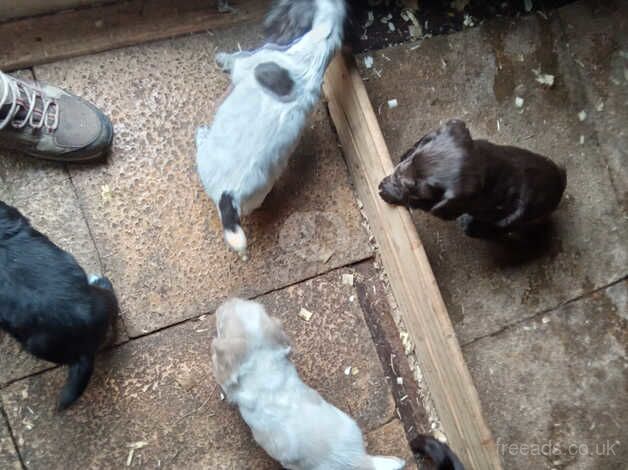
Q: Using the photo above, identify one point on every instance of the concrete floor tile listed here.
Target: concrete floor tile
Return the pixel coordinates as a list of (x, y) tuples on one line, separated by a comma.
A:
[(8, 456), (158, 233), (597, 34), (476, 75), (159, 390), (21, 175), (55, 212), (390, 439), (567, 390)]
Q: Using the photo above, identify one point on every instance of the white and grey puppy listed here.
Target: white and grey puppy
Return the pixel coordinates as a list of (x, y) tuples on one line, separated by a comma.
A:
[(289, 420), (258, 125)]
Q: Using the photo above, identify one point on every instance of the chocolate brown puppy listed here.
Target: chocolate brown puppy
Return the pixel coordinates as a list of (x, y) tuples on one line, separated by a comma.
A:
[(493, 188)]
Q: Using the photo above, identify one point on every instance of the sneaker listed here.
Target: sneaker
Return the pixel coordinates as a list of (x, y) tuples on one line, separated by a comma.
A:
[(47, 122)]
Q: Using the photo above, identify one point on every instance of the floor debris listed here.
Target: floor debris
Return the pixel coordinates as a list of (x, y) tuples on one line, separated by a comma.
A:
[(305, 315)]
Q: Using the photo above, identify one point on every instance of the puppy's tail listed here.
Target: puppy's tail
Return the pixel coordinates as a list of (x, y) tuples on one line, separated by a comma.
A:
[(438, 452), (379, 462), (230, 217), (78, 377)]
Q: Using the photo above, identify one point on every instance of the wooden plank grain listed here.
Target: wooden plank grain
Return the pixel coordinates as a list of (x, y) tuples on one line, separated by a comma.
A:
[(412, 280), (33, 41)]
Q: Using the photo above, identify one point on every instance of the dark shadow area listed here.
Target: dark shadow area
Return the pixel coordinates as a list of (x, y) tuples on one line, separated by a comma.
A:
[(380, 24)]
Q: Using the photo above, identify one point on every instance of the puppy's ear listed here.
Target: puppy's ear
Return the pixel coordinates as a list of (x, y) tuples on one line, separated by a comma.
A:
[(228, 354), (276, 334)]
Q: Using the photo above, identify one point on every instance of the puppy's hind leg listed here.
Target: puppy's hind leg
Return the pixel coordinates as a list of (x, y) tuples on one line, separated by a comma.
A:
[(100, 281), (449, 208), (78, 377)]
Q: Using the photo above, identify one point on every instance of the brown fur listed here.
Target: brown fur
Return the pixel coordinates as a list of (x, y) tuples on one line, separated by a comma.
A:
[(496, 187)]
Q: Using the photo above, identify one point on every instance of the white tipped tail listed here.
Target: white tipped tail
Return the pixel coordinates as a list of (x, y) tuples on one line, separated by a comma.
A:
[(236, 239), (387, 463)]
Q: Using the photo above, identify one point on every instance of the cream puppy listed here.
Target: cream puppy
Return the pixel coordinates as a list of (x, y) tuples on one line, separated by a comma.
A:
[(289, 420)]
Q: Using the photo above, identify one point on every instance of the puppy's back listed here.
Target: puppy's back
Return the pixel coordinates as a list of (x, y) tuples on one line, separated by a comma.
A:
[(42, 288), (544, 180)]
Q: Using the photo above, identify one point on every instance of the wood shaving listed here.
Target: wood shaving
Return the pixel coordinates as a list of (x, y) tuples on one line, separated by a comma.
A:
[(305, 315), (546, 79)]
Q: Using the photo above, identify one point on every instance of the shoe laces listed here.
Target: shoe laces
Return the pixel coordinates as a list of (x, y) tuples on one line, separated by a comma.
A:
[(38, 110)]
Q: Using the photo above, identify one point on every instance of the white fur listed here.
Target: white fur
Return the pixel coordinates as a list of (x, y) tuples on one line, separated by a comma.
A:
[(254, 132), (290, 420), (237, 241)]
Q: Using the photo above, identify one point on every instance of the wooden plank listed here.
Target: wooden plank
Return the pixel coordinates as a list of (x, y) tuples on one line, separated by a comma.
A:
[(22, 8), (33, 41), (411, 277)]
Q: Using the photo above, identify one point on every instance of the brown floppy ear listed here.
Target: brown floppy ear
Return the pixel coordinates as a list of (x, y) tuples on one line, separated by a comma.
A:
[(459, 131), (227, 357)]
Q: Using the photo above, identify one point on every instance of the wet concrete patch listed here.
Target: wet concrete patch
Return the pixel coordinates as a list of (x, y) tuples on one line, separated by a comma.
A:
[(156, 395), (565, 398), (476, 75), (158, 233)]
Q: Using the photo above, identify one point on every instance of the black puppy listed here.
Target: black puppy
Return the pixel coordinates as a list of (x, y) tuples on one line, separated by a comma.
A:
[(48, 304), (439, 453), (497, 188)]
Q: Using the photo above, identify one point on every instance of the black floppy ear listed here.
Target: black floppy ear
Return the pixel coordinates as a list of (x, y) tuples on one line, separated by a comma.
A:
[(227, 357)]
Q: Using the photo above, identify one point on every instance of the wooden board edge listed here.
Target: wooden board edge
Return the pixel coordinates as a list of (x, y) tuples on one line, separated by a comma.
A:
[(412, 280), (43, 39)]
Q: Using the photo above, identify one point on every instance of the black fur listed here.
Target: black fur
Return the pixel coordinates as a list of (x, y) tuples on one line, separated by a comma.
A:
[(439, 453), (228, 212), (274, 78), (288, 20), (498, 188), (47, 303)]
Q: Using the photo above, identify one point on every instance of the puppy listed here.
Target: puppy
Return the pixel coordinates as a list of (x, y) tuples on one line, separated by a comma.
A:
[(258, 125), (289, 420), (439, 453), (498, 188), (48, 304)]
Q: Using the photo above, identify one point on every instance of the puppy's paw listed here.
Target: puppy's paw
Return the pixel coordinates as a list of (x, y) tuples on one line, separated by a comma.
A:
[(224, 7), (100, 281), (224, 61), (465, 222), (476, 229)]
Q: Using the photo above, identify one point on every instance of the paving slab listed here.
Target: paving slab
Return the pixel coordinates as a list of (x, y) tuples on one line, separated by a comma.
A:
[(158, 233), (566, 397), (43, 192), (159, 389), (8, 456), (391, 440), (476, 75), (21, 175), (599, 61)]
